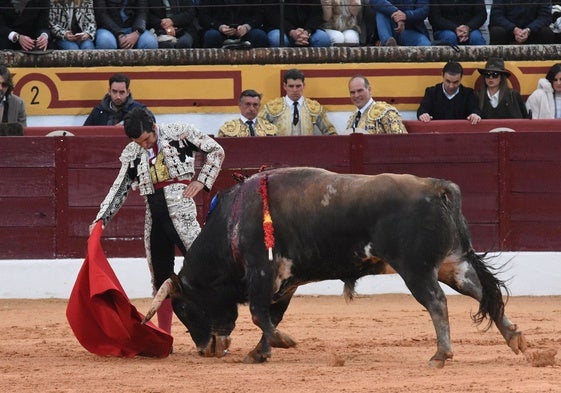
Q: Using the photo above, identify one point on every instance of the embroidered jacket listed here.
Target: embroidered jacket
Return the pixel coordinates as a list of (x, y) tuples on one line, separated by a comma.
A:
[(313, 118), (237, 128), (177, 142), (60, 15), (379, 118)]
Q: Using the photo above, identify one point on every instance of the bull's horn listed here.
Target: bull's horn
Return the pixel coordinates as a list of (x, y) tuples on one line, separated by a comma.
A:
[(162, 294)]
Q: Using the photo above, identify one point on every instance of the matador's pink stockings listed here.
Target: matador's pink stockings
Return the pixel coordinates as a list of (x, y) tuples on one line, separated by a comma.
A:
[(165, 315)]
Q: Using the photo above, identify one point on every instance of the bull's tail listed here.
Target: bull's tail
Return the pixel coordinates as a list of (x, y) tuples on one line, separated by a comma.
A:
[(491, 305)]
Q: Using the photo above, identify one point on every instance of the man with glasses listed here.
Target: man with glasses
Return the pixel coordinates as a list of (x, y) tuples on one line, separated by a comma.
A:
[(12, 107), (450, 100)]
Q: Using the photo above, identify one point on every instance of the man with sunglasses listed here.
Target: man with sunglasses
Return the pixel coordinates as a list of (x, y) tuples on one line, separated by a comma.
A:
[(12, 107), (450, 100)]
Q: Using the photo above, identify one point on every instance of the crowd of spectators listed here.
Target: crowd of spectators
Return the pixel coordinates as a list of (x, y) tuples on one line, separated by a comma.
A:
[(294, 114), (36, 25)]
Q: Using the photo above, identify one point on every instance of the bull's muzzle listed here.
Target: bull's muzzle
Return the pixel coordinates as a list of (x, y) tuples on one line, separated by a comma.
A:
[(216, 347)]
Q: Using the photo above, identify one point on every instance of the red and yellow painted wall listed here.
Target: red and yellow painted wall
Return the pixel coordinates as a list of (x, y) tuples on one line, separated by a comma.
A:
[(215, 88)]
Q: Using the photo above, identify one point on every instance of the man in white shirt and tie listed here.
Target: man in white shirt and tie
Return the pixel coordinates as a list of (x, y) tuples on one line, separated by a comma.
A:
[(294, 114), (373, 117), (248, 124)]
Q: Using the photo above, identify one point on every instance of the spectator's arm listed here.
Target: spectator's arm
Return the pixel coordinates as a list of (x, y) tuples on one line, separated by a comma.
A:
[(383, 7), (543, 18)]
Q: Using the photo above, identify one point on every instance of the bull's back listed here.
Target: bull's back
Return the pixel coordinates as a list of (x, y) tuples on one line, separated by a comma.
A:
[(321, 215)]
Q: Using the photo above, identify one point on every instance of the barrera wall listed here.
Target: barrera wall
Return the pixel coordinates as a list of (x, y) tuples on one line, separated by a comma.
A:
[(51, 187)]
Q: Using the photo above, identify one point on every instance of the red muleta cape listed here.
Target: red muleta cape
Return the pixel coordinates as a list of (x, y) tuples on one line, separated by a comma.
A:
[(101, 315)]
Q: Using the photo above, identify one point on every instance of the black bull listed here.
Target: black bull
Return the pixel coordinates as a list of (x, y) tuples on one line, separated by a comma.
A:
[(329, 226)]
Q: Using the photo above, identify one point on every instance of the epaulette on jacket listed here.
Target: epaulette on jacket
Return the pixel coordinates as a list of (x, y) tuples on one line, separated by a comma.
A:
[(276, 106), (313, 106), (130, 152), (269, 128), (231, 128), (379, 109)]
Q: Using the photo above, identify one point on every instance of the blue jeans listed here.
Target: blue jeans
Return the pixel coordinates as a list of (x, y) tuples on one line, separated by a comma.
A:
[(317, 40), (386, 28), (214, 39), (75, 45), (475, 37), (106, 40)]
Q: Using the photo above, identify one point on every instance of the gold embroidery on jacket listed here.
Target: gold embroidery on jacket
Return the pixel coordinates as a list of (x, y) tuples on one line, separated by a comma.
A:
[(159, 172)]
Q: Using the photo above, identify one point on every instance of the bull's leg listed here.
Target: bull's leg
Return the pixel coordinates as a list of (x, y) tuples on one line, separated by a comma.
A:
[(427, 291), (263, 349), (267, 315), (462, 277)]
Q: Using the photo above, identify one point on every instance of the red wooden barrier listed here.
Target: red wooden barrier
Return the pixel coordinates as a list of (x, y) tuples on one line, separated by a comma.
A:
[(51, 188), (413, 127)]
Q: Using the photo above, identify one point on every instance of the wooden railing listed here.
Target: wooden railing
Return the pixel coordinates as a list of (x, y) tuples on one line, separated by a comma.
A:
[(51, 187)]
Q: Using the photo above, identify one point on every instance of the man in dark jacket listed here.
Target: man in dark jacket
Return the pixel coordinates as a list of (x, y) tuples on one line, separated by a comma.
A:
[(520, 22), (233, 23), (458, 22), (115, 105), (24, 24), (300, 25), (122, 24), (450, 100), (174, 23)]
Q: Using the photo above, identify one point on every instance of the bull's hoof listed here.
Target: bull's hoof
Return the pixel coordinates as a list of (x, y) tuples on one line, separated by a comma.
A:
[(256, 356), (281, 340), (439, 359), (518, 343)]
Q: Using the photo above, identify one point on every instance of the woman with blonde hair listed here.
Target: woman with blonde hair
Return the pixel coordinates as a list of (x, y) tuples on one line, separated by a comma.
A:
[(72, 23)]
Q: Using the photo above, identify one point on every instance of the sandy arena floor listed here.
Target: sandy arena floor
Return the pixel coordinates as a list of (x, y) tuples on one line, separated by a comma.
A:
[(374, 344)]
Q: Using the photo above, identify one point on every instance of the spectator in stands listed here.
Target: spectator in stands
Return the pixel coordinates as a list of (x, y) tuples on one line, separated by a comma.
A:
[(122, 24), (450, 99), (11, 129), (24, 24), (520, 22), (342, 21), (12, 107), (294, 114), (174, 22), (160, 159), (374, 117), (72, 24), (496, 99), (457, 22), (556, 21), (115, 105), (301, 24), (233, 24), (402, 22), (545, 101), (248, 124)]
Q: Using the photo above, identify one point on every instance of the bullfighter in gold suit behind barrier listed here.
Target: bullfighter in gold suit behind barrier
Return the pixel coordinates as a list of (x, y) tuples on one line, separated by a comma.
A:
[(294, 114), (373, 117), (248, 124)]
